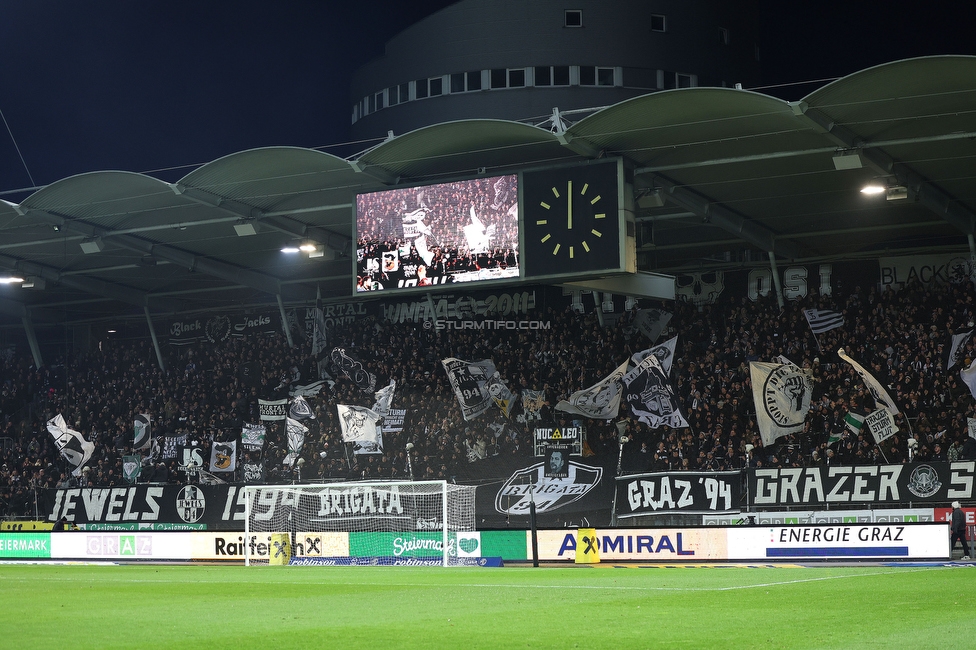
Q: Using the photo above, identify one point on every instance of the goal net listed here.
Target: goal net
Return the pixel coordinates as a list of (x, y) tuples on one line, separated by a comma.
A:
[(362, 523)]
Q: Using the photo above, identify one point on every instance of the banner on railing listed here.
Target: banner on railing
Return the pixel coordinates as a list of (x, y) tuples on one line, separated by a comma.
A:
[(863, 484), (686, 492)]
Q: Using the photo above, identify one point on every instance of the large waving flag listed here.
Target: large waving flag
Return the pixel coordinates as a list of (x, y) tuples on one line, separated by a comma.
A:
[(601, 401), (650, 396), (296, 440), (354, 369), (72, 445), (969, 377), (143, 433), (361, 427), (384, 399), (501, 394), (782, 395), (468, 379), (823, 320), (651, 322), (878, 391), (663, 352), (958, 349)]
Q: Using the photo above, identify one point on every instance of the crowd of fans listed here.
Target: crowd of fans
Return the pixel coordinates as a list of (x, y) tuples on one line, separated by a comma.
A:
[(204, 394)]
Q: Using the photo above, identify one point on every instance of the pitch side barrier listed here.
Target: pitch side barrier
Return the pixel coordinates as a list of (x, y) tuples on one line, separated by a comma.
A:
[(760, 543)]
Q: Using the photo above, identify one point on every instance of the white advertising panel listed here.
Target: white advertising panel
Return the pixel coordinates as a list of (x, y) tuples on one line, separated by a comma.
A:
[(636, 544), (127, 546), (840, 541)]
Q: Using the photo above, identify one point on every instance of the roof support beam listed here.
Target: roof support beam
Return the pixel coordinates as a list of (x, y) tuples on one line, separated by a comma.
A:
[(927, 193), (279, 222), (178, 256), (700, 205), (726, 219), (89, 285), (384, 176)]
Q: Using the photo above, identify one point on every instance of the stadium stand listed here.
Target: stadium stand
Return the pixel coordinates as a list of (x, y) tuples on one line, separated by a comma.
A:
[(902, 337)]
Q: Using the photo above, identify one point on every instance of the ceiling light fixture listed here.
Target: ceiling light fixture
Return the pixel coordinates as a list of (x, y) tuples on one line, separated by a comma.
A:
[(873, 188), (290, 248), (848, 159), (12, 279), (244, 229)]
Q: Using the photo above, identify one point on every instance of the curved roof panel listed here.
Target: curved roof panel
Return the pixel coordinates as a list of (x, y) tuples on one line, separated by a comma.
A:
[(736, 170), (462, 148)]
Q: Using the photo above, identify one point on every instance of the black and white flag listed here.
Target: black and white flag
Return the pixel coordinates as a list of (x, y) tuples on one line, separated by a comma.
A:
[(172, 446), (72, 445), (276, 409), (310, 390), (881, 425), (651, 322), (252, 472), (223, 456), (468, 379), (663, 352), (384, 399), (300, 410), (253, 436), (354, 370), (650, 396), (878, 392), (361, 427), (532, 403), (958, 349), (143, 432), (823, 320), (295, 431), (601, 401), (968, 376), (782, 395)]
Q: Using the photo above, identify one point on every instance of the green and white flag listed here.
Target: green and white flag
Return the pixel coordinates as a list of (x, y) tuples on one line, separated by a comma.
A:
[(854, 422), (253, 436), (131, 467)]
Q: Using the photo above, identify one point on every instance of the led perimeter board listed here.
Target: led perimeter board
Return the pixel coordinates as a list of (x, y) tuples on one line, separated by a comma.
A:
[(424, 237)]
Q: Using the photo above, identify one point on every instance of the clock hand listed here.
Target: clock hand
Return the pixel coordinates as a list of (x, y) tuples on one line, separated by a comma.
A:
[(569, 205)]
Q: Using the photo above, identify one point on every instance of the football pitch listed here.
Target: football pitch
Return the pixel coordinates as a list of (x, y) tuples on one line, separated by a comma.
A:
[(152, 606)]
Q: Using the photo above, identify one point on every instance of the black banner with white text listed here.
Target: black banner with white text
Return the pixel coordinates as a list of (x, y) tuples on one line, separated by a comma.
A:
[(863, 484), (678, 492)]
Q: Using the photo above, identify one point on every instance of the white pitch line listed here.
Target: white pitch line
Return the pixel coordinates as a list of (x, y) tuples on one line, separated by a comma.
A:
[(497, 586)]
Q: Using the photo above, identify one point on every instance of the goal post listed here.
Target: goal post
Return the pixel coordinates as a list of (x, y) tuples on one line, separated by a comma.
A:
[(363, 522)]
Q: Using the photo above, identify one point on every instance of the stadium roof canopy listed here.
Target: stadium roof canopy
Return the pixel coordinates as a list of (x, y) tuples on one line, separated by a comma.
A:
[(738, 175)]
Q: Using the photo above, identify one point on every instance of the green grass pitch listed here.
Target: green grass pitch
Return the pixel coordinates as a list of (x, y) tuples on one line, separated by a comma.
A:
[(141, 606)]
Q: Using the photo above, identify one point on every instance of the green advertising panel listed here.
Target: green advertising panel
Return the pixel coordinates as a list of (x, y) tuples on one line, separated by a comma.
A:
[(506, 544), (22, 545)]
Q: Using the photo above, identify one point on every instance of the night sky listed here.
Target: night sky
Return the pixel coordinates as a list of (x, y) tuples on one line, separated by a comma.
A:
[(164, 86)]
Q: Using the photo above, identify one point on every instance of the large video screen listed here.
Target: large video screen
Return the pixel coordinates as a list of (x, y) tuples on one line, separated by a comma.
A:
[(465, 231)]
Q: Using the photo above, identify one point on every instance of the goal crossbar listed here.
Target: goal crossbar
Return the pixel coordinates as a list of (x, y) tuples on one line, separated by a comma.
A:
[(355, 519)]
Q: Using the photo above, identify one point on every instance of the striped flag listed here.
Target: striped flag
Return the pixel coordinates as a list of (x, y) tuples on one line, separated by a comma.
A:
[(854, 422), (823, 320)]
